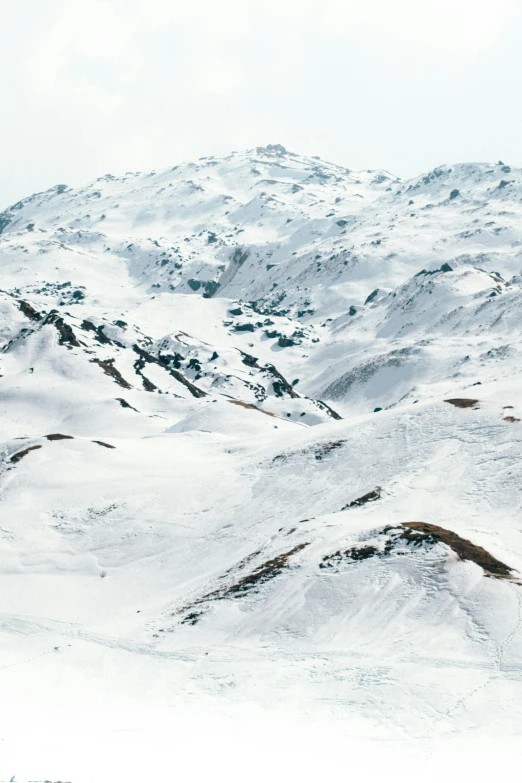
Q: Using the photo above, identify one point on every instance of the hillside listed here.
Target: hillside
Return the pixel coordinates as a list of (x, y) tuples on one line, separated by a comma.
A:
[(261, 443)]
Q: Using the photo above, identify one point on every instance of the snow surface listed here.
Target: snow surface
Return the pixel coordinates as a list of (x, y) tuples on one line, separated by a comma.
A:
[(215, 340)]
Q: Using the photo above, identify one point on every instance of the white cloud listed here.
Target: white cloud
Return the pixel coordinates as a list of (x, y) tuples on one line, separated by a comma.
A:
[(117, 84), (122, 34), (91, 28), (460, 26)]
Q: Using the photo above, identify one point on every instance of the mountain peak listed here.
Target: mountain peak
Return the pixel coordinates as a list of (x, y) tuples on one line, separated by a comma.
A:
[(272, 149)]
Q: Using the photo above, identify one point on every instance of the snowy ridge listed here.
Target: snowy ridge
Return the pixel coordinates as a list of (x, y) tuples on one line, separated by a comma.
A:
[(261, 441)]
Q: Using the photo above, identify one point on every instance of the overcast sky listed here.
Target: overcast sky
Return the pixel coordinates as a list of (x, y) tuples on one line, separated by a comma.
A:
[(90, 87)]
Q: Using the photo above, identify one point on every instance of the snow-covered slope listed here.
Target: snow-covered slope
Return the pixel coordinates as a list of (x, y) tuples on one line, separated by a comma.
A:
[(261, 442)]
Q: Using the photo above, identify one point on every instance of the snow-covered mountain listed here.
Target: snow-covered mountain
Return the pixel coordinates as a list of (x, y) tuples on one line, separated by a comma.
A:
[(261, 442)]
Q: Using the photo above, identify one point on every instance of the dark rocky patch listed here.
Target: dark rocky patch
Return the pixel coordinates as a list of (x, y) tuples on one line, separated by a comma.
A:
[(5, 219), (194, 390), (146, 357), (250, 582), (282, 383), (242, 564), (250, 361), (211, 286), (369, 497), (147, 384), (443, 268), (319, 453), (125, 404), (192, 618), (58, 436), (269, 307), (330, 411), (102, 443), (66, 333), (139, 364), (263, 573), (372, 296), (326, 448), (110, 370), (239, 257), (354, 553), (176, 359), (21, 454), (88, 326)]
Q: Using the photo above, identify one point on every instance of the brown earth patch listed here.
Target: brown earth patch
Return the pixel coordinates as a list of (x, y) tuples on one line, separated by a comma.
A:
[(29, 311), (512, 419), (462, 402), (418, 532), (242, 564), (263, 573), (147, 384), (421, 533), (259, 576), (252, 407)]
